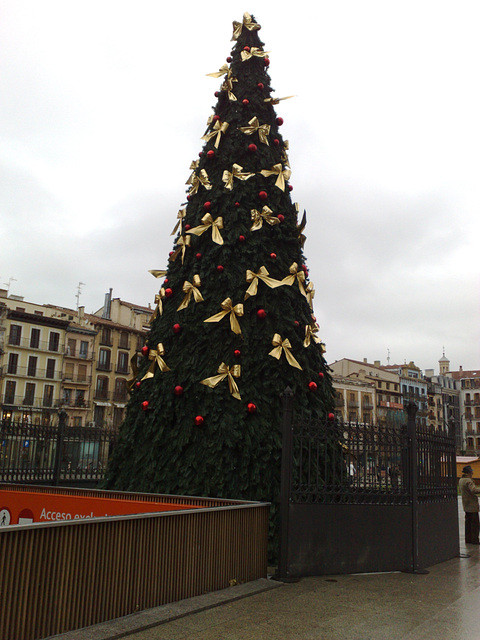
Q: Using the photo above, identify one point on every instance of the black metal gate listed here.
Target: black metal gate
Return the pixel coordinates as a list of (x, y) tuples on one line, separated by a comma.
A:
[(361, 498)]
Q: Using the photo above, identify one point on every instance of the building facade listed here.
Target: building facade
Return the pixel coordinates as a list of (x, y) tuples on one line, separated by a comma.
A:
[(414, 388), (355, 400)]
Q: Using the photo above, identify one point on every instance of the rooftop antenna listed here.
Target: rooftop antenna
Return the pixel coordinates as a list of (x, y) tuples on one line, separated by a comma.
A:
[(7, 284), (388, 356), (79, 291)]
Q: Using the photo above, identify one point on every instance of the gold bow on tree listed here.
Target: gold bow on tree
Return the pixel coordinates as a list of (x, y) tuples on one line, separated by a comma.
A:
[(281, 173), (299, 276), (197, 179), (131, 381), (182, 243), (254, 52), (190, 289), (259, 216), (300, 229), (225, 372), (155, 356), (253, 278), (234, 311), (254, 125), (159, 302), (207, 222), (310, 294), (218, 128), (273, 101), (285, 346), (310, 334), (221, 72), (157, 273), (236, 172), (180, 216), (248, 23), (228, 86)]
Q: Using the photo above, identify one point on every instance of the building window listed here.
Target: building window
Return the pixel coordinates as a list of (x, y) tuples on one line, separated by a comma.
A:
[(101, 392), (77, 421), (120, 390), (71, 347), (140, 342), (50, 371), (54, 341), (82, 373), (99, 415), (83, 349), (122, 364), (117, 416), (35, 338), (32, 366), (67, 396), (104, 360), (69, 370), (48, 395), (80, 398), (10, 387), (123, 343), (29, 394), (12, 363), (106, 336), (15, 334)]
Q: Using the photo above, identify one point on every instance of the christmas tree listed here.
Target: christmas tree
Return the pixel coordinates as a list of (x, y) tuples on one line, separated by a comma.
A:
[(233, 324)]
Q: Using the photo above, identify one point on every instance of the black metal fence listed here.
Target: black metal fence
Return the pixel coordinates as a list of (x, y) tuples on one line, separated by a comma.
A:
[(36, 454), (359, 497)]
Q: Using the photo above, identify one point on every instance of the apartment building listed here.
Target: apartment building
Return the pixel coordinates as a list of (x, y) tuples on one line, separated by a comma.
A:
[(413, 386), (120, 329), (355, 399), (389, 402), (468, 386), (31, 364)]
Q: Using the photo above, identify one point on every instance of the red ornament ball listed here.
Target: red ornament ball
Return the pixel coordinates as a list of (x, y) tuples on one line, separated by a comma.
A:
[(245, 102), (200, 154), (187, 227), (251, 408), (178, 391), (276, 142), (252, 147), (145, 351), (198, 256), (320, 375), (216, 117), (207, 205), (177, 328), (281, 217), (220, 268), (296, 323), (188, 198), (237, 353), (165, 281), (241, 238), (145, 404), (273, 256), (168, 292), (331, 416), (279, 121), (260, 85), (246, 48), (263, 195), (237, 204), (229, 59), (216, 94), (199, 420), (138, 384), (170, 253), (210, 153), (266, 61), (261, 313), (312, 386), (290, 188)]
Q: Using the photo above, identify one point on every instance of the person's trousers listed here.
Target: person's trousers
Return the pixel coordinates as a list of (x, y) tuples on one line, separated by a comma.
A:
[(472, 527)]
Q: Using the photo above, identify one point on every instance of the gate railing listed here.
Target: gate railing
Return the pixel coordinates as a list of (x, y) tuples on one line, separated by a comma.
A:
[(330, 462), (53, 454)]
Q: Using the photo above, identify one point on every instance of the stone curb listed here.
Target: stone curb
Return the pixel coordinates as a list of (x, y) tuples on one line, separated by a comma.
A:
[(121, 627)]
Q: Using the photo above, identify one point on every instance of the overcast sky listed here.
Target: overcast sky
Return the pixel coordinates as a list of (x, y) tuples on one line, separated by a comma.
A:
[(103, 104)]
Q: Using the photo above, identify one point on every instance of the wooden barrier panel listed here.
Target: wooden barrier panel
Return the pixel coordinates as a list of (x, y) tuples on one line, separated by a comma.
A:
[(65, 575)]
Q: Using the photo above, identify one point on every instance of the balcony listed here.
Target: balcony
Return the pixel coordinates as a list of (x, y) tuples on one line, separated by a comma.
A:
[(74, 403), (104, 366), (367, 406), (353, 404), (339, 403), (27, 402), (76, 378), (37, 345), (27, 372), (84, 355)]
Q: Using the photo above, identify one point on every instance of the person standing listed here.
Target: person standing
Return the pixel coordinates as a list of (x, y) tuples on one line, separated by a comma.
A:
[(469, 492)]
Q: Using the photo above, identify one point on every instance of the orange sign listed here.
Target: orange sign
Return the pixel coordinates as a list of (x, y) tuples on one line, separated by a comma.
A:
[(22, 507)]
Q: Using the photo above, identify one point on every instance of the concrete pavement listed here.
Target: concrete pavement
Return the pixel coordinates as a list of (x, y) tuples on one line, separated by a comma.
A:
[(442, 605)]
